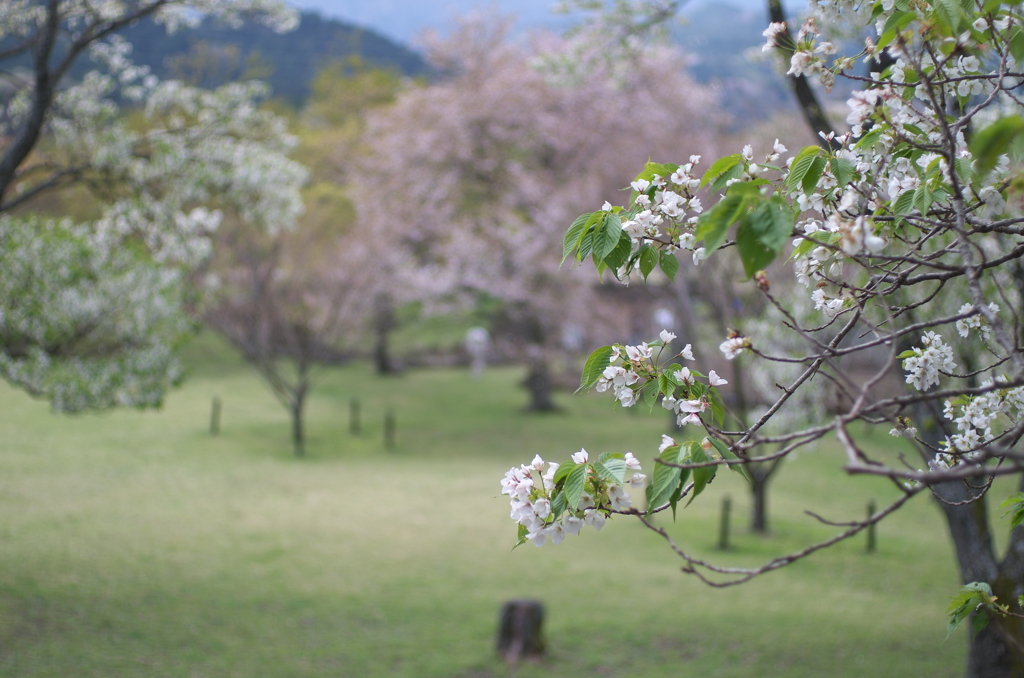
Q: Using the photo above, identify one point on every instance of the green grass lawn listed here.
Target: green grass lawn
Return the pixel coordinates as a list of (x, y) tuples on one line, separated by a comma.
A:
[(135, 544)]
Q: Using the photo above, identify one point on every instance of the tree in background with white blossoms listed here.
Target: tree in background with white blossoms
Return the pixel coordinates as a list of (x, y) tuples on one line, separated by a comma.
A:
[(906, 237), (103, 214)]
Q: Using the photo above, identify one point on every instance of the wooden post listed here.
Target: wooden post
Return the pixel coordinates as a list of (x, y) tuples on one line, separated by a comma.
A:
[(871, 528), (389, 429), (355, 424), (215, 417), (519, 631), (723, 526)]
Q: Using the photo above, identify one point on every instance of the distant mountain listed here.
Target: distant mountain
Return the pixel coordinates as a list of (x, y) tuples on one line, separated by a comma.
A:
[(214, 53)]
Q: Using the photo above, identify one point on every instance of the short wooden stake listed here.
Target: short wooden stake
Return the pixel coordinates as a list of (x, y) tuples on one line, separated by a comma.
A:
[(215, 417), (871, 546), (519, 631), (723, 526), (389, 429), (355, 424)]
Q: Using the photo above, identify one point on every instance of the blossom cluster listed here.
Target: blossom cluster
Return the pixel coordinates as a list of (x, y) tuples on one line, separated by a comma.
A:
[(633, 369), (544, 507), (924, 365)]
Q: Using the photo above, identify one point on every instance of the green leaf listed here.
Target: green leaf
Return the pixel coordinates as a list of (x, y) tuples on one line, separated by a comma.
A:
[(664, 479), (979, 621), (666, 384), (963, 169), (843, 170), (669, 264), (910, 353), (948, 15), (762, 234), (995, 140), (713, 225), (648, 260), (618, 256), (595, 365), (813, 175), (1017, 44), (717, 406), (869, 139), (904, 204), (922, 199), (701, 476), (574, 236), (607, 236), (965, 602), (521, 539), (617, 467), (898, 20), (800, 165), (558, 503), (561, 473), (726, 453), (650, 393), (1016, 505), (720, 166), (574, 485)]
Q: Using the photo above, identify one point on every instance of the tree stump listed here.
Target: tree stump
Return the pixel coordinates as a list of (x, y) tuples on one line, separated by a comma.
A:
[(519, 631)]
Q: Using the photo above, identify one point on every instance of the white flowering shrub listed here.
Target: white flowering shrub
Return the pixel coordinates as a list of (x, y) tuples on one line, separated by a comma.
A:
[(905, 233), (93, 305)]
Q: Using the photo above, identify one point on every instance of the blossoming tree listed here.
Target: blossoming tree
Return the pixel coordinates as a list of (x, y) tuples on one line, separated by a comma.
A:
[(906, 233), (469, 178), (103, 214)]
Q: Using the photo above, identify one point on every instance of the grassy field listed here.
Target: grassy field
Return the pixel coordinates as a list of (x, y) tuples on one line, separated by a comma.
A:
[(135, 544)]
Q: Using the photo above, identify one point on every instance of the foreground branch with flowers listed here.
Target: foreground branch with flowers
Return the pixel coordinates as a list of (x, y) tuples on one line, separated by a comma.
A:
[(905, 236)]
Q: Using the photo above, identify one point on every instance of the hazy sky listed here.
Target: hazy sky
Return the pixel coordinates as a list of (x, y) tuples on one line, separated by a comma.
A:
[(402, 19)]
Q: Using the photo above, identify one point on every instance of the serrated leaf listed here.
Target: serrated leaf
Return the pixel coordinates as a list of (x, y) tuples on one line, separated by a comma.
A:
[(561, 473), (904, 204), (724, 450), (734, 172), (922, 199), (1017, 44), (616, 468), (717, 406), (719, 166), (618, 256), (799, 169), (650, 393), (666, 384), (1016, 505), (669, 264), (898, 20), (521, 538), (574, 236), (558, 504), (948, 15), (701, 476), (813, 175), (993, 141), (965, 602), (607, 236), (648, 260), (664, 479), (574, 483), (843, 170), (906, 354), (595, 366), (869, 139), (713, 225), (610, 455)]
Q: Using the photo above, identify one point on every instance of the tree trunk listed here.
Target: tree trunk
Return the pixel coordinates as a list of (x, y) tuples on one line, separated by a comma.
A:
[(759, 498), (538, 383), (298, 435), (384, 322)]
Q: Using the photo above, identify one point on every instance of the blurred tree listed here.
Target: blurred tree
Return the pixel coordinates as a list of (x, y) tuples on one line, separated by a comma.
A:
[(471, 178), (291, 300), (93, 304)]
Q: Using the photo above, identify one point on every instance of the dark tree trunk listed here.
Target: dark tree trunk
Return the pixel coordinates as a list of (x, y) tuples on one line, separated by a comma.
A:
[(384, 322), (298, 403), (759, 498), (519, 630), (538, 383)]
